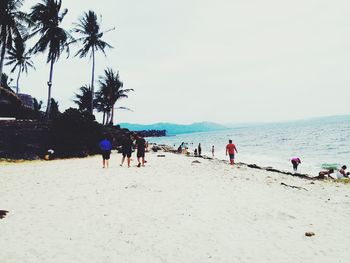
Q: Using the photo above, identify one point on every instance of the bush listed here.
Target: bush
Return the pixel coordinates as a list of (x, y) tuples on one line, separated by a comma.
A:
[(75, 134)]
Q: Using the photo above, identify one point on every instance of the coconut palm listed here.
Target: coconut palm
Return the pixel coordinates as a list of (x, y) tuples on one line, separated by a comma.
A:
[(83, 99), (13, 23), (18, 57), (91, 39), (53, 38), (111, 90)]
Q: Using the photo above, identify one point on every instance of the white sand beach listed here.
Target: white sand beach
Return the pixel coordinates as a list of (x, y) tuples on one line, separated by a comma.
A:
[(169, 211)]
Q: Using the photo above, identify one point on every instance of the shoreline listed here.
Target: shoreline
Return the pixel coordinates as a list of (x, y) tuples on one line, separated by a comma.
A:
[(169, 149), (175, 209)]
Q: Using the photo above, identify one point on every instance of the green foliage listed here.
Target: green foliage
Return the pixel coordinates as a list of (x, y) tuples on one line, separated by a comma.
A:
[(111, 90), (47, 18), (54, 110), (19, 58), (75, 134), (91, 36), (13, 23), (83, 99), (5, 82)]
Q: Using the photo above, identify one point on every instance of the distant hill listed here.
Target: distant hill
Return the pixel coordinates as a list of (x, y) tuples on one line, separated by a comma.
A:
[(173, 128)]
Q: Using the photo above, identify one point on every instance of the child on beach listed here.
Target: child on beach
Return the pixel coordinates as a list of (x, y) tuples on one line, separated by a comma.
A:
[(106, 147), (295, 162), (231, 149)]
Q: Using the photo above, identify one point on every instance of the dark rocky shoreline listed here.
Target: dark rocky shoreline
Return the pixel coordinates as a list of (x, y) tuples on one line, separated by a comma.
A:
[(30, 139)]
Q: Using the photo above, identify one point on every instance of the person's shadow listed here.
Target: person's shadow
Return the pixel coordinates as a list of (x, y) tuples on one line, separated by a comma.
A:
[(3, 213)]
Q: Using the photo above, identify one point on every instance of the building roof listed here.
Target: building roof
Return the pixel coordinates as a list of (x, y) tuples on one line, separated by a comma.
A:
[(27, 101)]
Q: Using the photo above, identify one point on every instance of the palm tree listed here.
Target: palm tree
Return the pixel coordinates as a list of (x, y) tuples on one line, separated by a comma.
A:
[(47, 18), (12, 24), (91, 38), (83, 100), (21, 59), (111, 90)]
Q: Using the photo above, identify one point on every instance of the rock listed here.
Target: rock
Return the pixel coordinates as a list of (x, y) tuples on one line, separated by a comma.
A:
[(156, 148), (152, 133), (3, 213), (309, 234), (196, 161), (160, 155)]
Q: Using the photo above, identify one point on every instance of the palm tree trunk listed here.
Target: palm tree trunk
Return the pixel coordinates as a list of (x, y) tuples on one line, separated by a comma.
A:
[(49, 84), (108, 115), (104, 117), (19, 74), (3, 50), (112, 115), (92, 81)]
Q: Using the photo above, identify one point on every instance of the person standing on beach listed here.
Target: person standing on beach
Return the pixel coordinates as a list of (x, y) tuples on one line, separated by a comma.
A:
[(230, 150), (127, 145), (141, 147), (213, 150), (295, 162), (106, 147), (199, 150)]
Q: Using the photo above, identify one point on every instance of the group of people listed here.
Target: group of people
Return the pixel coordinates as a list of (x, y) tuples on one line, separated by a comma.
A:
[(332, 172), (335, 174), (127, 146), (231, 150)]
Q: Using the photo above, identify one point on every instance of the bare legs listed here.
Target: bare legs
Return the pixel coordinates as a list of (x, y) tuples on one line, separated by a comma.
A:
[(105, 163), (128, 161), (143, 161)]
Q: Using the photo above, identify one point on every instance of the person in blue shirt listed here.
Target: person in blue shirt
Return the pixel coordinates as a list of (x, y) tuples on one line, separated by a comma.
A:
[(106, 147)]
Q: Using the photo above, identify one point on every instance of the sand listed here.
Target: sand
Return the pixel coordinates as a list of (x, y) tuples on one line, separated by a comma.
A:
[(169, 211)]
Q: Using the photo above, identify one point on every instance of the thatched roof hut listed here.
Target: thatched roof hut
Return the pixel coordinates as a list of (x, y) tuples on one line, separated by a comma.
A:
[(16, 105), (27, 101), (9, 103)]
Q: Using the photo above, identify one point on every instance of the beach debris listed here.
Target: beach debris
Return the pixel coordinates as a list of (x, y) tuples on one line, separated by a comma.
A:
[(3, 213), (309, 234), (161, 155), (254, 166), (196, 161), (271, 169), (292, 186)]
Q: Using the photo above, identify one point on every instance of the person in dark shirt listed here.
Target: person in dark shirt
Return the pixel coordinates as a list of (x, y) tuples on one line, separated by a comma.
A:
[(141, 147), (199, 150), (127, 145), (106, 147)]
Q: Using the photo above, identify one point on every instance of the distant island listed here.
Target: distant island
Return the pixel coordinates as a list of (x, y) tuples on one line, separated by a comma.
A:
[(173, 129)]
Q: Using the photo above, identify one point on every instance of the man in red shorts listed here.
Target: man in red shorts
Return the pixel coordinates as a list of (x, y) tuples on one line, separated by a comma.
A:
[(231, 149)]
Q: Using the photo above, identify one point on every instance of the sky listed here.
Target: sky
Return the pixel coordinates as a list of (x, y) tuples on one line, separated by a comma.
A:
[(227, 61)]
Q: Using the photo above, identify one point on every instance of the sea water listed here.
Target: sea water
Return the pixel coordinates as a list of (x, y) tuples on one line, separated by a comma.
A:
[(317, 142)]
